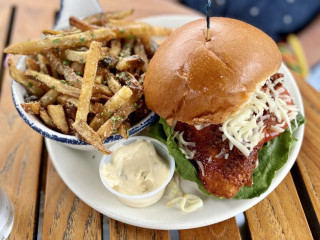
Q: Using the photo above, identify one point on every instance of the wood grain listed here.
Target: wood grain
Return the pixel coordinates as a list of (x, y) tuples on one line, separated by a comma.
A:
[(280, 215), (65, 215), (20, 146), (122, 231), (308, 159), (43, 4), (227, 229), (5, 13)]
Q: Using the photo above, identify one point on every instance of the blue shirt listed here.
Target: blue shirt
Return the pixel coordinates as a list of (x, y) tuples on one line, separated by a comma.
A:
[(277, 18)]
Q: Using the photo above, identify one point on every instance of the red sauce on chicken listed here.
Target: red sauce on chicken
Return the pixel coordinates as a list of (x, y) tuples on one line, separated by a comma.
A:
[(223, 176)]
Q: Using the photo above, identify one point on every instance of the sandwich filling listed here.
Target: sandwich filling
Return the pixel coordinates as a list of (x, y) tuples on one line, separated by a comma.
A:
[(227, 154), (246, 129)]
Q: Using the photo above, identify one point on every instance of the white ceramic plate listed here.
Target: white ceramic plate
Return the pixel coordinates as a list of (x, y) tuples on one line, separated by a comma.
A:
[(80, 171)]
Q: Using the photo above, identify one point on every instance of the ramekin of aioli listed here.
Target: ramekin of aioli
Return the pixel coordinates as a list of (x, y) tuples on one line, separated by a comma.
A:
[(137, 171)]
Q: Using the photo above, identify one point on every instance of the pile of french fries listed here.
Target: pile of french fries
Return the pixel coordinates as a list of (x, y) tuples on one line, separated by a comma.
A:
[(87, 80)]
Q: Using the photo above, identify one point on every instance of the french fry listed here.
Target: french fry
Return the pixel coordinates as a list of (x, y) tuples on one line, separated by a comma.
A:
[(70, 112), (129, 62), (71, 76), (77, 67), (63, 69), (31, 107), (102, 18), (55, 84), (119, 14), (90, 136), (63, 100), (118, 21), (58, 117), (81, 57), (112, 124), (159, 41), (115, 48), (117, 100), (141, 78), (97, 108), (32, 87), (132, 30), (123, 129), (77, 56), (99, 19), (52, 32), (127, 48), (113, 84), (43, 64), (103, 53), (98, 96), (63, 42), (46, 118), (111, 61), (98, 79), (74, 86), (60, 33), (49, 98), (82, 25), (131, 82), (114, 103), (160, 31), (32, 64), (88, 81), (140, 51)]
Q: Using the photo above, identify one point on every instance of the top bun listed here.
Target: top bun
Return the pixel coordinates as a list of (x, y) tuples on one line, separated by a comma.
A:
[(196, 81)]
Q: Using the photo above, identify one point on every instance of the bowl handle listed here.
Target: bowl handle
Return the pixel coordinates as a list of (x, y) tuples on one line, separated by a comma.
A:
[(78, 8)]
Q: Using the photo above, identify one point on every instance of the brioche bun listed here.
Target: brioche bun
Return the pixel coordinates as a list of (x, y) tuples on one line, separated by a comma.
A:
[(196, 81)]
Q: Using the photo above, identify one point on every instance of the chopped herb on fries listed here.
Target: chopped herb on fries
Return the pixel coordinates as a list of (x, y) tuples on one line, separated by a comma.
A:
[(88, 80)]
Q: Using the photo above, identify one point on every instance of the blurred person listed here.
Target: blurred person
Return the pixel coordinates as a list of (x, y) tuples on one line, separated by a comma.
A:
[(294, 24)]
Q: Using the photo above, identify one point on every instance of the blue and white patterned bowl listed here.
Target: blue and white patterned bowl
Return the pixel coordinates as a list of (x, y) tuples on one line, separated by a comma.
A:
[(18, 91), (82, 9)]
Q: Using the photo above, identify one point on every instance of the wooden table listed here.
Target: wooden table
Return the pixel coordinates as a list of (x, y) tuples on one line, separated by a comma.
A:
[(292, 211)]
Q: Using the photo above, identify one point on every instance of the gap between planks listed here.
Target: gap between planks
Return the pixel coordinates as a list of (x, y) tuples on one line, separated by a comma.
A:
[(65, 215), (7, 15), (306, 202), (227, 229), (280, 215), (307, 171)]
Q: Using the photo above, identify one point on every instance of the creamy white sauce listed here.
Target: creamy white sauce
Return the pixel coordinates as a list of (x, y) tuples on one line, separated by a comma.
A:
[(186, 202), (136, 169)]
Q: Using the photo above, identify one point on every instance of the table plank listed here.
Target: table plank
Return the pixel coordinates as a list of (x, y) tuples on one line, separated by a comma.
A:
[(119, 231), (227, 229), (279, 216), (308, 159), (40, 4), (65, 215), (20, 146), (5, 13)]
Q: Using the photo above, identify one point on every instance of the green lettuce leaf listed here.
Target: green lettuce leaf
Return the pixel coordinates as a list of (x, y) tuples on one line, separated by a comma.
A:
[(272, 157), (183, 166)]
